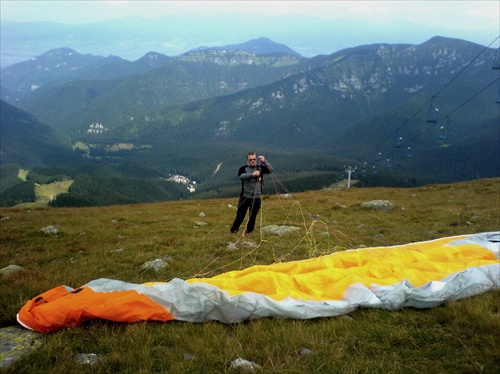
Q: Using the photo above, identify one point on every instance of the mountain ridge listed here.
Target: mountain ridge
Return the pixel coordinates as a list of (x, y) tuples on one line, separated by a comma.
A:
[(200, 111), (130, 37), (259, 46), (189, 77)]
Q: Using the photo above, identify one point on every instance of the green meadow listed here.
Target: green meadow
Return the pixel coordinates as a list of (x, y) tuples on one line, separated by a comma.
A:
[(193, 236)]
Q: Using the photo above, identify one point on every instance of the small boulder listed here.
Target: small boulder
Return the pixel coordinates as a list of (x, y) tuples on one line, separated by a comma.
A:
[(304, 352), (50, 230), (279, 230), (86, 358), (245, 365), (11, 269), (383, 205), (16, 342), (155, 265)]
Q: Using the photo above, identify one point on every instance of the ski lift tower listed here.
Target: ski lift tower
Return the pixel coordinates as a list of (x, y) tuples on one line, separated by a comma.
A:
[(349, 171)]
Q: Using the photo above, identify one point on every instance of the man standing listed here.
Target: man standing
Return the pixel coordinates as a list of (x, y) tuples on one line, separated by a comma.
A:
[(251, 190)]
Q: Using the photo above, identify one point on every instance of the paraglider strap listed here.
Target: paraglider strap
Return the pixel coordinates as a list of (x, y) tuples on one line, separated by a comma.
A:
[(260, 177)]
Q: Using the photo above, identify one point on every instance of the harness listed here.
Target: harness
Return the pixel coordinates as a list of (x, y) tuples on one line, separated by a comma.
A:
[(260, 179)]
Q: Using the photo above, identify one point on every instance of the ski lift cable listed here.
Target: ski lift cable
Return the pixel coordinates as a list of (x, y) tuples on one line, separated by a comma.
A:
[(412, 140), (496, 63), (465, 67), (473, 96), (426, 104), (454, 110), (391, 136)]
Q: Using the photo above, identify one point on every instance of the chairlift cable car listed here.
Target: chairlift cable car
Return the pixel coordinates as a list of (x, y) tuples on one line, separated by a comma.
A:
[(442, 133), (398, 142), (409, 151), (443, 130), (389, 162), (432, 113), (496, 62), (496, 66), (363, 168)]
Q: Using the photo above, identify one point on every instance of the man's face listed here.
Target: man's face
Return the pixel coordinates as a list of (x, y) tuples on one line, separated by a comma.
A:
[(252, 159)]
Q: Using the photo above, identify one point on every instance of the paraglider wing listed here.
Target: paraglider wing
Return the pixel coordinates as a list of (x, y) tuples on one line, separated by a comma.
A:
[(420, 275)]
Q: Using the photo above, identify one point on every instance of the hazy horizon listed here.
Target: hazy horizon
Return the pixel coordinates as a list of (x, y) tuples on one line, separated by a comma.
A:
[(175, 27)]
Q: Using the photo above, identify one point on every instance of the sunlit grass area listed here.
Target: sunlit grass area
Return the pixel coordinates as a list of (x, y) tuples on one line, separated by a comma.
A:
[(113, 242)]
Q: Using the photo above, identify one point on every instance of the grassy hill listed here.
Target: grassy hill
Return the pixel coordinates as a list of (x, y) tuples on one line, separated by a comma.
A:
[(113, 242)]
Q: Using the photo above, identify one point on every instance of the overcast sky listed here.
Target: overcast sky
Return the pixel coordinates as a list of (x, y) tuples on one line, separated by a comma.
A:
[(352, 23), (477, 14)]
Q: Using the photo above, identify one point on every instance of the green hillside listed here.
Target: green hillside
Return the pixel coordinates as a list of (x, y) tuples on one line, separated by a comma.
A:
[(28, 142), (76, 104)]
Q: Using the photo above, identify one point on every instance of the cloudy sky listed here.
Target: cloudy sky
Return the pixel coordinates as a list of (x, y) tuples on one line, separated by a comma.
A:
[(322, 27), (481, 14)]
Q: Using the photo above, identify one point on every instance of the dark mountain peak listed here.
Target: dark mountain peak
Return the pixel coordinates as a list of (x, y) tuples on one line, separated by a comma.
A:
[(442, 40), (153, 59), (67, 55), (57, 53), (263, 45), (154, 55), (255, 51), (235, 57), (259, 46), (60, 59), (55, 65), (218, 56)]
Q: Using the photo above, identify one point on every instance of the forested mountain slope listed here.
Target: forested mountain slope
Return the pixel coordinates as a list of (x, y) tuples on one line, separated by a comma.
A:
[(198, 114)]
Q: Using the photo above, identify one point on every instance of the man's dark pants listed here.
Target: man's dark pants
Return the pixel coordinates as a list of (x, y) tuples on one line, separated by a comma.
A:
[(244, 204)]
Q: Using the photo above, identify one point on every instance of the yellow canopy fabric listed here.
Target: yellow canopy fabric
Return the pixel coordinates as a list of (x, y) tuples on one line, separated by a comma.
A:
[(327, 277)]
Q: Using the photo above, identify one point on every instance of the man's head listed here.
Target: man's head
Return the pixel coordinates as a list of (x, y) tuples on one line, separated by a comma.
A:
[(251, 158)]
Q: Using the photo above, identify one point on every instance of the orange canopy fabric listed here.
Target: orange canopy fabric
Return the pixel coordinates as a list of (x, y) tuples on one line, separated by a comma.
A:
[(58, 308)]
